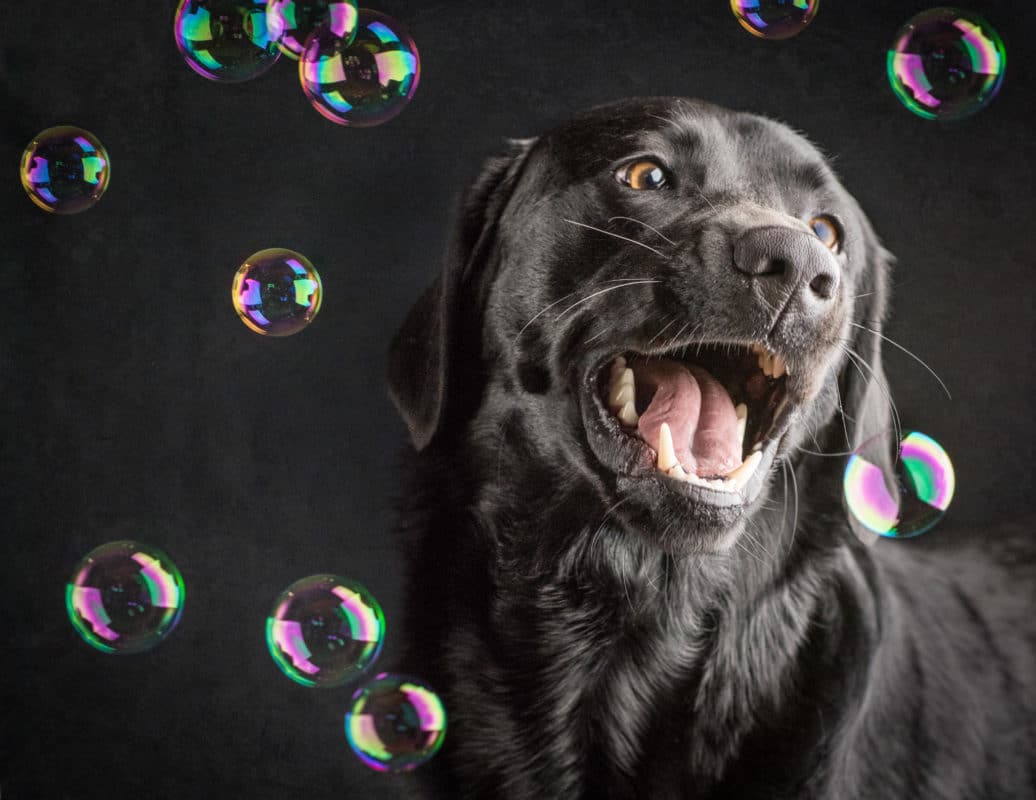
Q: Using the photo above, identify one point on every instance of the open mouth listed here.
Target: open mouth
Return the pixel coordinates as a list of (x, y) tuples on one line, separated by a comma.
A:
[(708, 416)]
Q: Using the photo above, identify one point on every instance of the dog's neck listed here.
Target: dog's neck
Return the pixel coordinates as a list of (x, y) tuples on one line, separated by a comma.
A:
[(580, 608)]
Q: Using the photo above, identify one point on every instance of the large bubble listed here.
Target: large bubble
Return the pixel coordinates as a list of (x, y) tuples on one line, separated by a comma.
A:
[(364, 83), (292, 21), (774, 19), (65, 169), (906, 503), (396, 723), (223, 40), (277, 292), (946, 63), (124, 597), (325, 630)]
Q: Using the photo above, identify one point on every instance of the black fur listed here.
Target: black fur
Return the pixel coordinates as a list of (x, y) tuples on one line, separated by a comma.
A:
[(595, 634)]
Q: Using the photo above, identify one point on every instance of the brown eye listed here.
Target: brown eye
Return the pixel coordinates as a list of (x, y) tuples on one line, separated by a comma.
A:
[(828, 231), (642, 175)]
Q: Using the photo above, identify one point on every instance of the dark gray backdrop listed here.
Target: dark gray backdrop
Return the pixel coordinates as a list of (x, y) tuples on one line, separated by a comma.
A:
[(136, 405)]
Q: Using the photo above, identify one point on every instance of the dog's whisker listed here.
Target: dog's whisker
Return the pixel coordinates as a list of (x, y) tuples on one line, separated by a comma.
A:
[(659, 253), (841, 415), (914, 356), (661, 331), (537, 315), (649, 227), (599, 292), (860, 361)]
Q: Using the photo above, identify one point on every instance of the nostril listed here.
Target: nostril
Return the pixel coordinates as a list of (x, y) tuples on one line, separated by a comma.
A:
[(777, 266), (824, 285)]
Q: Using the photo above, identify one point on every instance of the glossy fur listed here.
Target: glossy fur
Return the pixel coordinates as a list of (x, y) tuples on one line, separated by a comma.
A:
[(587, 650)]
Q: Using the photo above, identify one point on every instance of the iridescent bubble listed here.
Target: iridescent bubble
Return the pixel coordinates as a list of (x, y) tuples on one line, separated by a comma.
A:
[(277, 292), (325, 630), (396, 723), (65, 169), (223, 40), (364, 83), (906, 503), (946, 63), (124, 597), (774, 19), (290, 22)]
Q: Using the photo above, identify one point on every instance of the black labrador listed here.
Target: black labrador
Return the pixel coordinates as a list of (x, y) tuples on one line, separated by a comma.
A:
[(631, 575)]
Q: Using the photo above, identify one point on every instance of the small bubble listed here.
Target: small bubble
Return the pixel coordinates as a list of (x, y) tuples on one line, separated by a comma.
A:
[(65, 169), (325, 630), (125, 597), (364, 83), (396, 723), (290, 22), (946, 63), (907, 503), (277, 292), (774, 19), (225, 41)]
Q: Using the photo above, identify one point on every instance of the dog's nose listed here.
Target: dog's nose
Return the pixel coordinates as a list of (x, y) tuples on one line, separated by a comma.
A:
[(789, 265)]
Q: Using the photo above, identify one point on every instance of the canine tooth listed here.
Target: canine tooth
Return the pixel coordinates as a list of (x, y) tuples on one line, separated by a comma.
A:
[(628, 415), (764, 362), (778, 366), (742, 421), (666, 451), (740, 476)]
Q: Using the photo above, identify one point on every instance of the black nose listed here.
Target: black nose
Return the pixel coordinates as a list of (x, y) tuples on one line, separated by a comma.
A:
[(790, 266)]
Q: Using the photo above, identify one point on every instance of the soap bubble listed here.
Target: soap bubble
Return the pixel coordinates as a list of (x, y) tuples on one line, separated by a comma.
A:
[(325, 630), (223, 40), (124, 597), (366, 83), (290, 22), (774, 19), (65, 169), (396, 723), (277, 292), (923, 486), (946, 64)]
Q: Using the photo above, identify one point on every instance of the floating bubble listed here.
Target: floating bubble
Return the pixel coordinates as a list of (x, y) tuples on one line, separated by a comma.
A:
[(325, 630), (290, 22), (923, 486), (946, 64), (774, 19), (124, 597), (65, 169), (277, 292), (225, 41), (364, 83), (396, 723)]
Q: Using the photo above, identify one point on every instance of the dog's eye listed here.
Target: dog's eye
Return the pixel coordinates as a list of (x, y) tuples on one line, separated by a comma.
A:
[(642, 175), (828, 231)]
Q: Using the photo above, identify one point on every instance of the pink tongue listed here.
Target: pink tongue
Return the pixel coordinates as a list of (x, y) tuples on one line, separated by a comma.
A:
[(698, 410)]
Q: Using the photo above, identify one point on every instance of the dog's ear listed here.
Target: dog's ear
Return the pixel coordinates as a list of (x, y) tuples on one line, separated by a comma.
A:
[(435, 358), (866, 394)]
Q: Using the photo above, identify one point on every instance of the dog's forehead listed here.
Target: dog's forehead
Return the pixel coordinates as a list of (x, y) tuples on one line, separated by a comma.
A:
[(683, 131)]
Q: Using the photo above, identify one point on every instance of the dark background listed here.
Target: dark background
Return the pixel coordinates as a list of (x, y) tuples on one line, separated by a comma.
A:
[(136, 405)]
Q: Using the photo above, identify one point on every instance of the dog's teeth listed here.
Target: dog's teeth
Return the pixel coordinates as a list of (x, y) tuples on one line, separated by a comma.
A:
[(739, 477), (778, 366), (765, 363), (666, 451), (628, 415), (622, 389), (676, 471), (742, 421)]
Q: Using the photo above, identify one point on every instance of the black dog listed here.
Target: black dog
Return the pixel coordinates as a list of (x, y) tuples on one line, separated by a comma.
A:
[(630, 580)]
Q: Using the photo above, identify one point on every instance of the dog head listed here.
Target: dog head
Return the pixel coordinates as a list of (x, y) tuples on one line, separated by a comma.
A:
[(663, 294)]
